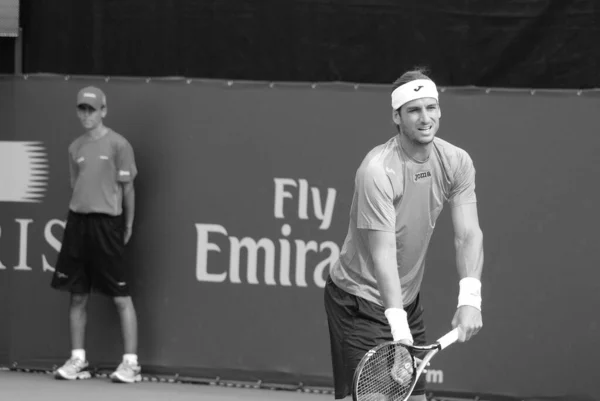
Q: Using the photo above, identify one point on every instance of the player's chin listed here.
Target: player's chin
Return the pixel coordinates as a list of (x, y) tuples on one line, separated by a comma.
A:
[(426, 137), (426, 140)]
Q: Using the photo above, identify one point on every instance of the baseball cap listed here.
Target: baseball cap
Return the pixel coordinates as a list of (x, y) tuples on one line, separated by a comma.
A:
[(91, 96)]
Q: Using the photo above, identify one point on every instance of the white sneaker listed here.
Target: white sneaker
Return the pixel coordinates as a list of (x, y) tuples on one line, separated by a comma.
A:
[(127, 373), (73, 369)]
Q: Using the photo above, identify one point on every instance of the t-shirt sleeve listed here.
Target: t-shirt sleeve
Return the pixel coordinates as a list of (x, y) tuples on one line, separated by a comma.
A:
[(125, 162), (73, 167), (375, 206), (463, 188)]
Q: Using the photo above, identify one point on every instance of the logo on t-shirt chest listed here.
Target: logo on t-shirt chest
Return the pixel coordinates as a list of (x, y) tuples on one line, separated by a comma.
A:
[(421, 176)]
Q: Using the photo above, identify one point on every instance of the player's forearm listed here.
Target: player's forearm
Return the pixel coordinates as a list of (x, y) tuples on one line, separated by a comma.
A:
[(388, 281), (469, 254), (382, 248), (129, 204), (390, 289)]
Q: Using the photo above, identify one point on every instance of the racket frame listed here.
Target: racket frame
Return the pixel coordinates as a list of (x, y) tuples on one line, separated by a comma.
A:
[(432, 349)]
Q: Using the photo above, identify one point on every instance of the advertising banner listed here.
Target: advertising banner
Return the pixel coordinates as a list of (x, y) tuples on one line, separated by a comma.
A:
[(242, 204), (7, 132)]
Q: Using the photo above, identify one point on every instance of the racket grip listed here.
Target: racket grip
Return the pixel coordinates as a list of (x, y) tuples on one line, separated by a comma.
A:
[(448, 339)]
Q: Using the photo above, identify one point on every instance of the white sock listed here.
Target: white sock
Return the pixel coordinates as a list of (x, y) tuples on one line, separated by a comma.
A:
[(130, 358), (78, 353)]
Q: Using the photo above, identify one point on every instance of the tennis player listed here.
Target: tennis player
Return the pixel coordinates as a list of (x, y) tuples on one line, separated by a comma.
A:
[(99, 225), (372, 292)]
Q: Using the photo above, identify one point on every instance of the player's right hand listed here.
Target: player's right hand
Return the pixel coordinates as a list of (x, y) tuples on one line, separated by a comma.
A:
[(406, 341), (402, 370)]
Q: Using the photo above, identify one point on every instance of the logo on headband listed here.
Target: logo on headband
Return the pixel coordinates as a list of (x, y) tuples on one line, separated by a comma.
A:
[(417, 89)]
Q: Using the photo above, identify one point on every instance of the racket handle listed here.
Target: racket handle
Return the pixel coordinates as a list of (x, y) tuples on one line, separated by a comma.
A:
[(448, 339)]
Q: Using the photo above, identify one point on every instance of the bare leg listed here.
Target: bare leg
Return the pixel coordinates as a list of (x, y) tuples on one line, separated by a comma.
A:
[(78, 320), (76, 366), (129, 370), (128, 323)]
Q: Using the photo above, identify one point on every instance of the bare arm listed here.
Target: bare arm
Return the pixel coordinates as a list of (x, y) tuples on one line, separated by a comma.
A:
[(129, 203), (128, 208), (377, 216), (382, 246), (468, 241)]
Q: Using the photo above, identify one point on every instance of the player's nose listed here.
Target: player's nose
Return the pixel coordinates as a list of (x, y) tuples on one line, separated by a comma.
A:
[(425, 119)]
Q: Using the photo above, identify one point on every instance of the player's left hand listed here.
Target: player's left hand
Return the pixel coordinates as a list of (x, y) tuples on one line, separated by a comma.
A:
[(469, 321), (127, 234)]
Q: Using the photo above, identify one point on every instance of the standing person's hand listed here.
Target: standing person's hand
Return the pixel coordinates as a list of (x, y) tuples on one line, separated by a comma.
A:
[(127, 234)]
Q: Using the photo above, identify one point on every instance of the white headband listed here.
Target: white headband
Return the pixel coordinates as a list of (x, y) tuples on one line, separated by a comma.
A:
[(417, 89)]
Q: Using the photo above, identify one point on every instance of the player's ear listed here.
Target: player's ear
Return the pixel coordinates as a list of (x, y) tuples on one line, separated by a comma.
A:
[(396, 116), (103, 111)]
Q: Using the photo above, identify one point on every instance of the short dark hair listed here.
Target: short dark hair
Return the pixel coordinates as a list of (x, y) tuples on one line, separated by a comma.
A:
[(408, 76)]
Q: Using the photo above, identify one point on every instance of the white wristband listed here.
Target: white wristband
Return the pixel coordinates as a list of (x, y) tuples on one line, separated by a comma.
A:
[(399, 324), (470, 292)]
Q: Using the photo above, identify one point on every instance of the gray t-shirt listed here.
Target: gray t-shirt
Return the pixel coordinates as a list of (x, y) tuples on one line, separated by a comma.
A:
[(396, 194), (97, 168)]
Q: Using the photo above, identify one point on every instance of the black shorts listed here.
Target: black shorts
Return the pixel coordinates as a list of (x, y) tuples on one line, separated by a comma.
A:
[(357, 325), (91, 256)]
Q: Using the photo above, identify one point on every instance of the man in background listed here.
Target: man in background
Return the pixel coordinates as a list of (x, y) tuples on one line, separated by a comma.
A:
[(99, 225)]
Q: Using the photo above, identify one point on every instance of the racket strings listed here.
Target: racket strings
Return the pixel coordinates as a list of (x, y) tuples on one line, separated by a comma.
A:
[(387, 375)]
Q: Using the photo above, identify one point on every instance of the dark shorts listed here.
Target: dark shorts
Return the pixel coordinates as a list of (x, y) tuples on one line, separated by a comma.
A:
[(357, 325), (91, 256)]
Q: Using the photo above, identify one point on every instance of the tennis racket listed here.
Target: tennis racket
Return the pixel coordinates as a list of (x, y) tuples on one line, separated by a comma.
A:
[(390, 372)]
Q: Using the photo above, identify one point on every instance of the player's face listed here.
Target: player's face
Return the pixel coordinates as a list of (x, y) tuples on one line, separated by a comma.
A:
[(419, 120), (90, 118)]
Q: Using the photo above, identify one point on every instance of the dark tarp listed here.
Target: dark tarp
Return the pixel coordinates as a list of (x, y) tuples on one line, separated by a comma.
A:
[(518, 43)]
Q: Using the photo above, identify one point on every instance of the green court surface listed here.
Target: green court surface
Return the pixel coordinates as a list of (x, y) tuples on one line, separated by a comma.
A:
[(18, 386)]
